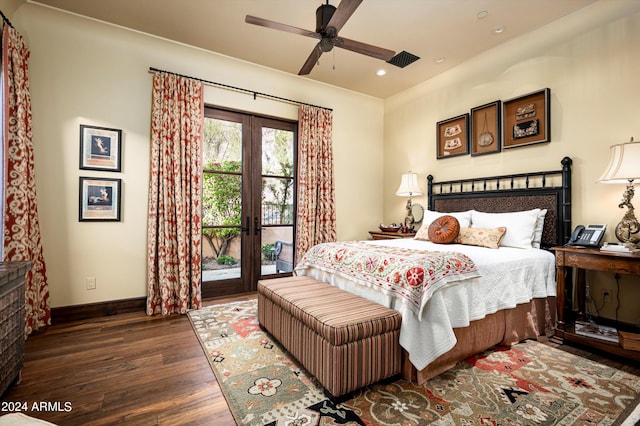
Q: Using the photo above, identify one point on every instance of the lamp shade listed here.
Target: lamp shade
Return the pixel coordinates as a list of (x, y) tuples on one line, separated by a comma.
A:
[(409, 185), (624, 165)]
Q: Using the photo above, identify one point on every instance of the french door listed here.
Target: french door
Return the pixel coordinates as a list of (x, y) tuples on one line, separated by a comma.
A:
[(248, 201)]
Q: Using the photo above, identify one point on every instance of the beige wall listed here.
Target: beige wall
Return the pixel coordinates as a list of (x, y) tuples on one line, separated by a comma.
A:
[(87, 72), (594, 82), (8, 7)]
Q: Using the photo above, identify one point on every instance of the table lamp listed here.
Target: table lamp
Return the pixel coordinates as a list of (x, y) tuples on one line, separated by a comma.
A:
[(409, 187), (624, 167)]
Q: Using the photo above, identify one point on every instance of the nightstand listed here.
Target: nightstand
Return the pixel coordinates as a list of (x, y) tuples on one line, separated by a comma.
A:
[(382, 235), (595, 260)]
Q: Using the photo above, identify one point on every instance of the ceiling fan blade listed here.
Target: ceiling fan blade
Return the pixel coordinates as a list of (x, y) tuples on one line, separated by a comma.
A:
[(311, 61), (278, 26), (343, 13), (364, 48)]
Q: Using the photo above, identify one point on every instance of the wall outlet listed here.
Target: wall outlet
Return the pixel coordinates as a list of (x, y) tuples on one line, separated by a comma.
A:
[(91, 283), (606, 296), (587, 291)]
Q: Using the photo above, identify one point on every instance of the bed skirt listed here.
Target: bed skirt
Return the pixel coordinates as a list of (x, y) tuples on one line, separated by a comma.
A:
[(507, 327)]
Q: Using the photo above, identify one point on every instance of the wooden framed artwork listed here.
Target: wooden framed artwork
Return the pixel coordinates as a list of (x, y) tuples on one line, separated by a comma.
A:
[(452, 137), (486, 132), (100, 148), (527, 119), (99, 199)]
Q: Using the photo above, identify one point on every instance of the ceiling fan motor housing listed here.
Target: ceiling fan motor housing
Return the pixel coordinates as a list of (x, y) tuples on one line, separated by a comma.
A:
[(323, 16)]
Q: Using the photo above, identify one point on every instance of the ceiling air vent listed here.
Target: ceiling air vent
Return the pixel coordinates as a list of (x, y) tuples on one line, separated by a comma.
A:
[(403, 59)]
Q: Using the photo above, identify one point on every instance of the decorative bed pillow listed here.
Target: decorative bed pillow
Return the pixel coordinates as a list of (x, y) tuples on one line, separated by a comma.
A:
[(537, 233), (444, 230), (483, 237), (464, 219), (423, 232), (520, 226)]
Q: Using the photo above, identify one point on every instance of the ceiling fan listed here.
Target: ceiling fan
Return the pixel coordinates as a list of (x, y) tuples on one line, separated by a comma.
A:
[(329, 21)]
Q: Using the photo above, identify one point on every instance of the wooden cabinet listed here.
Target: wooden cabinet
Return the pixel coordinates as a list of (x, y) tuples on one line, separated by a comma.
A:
[(12, 321), (583, 259), (382, 235)]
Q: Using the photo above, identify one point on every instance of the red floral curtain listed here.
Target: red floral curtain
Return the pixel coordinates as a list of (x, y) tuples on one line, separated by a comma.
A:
[(175, 193), (21, 226), (316, 217)]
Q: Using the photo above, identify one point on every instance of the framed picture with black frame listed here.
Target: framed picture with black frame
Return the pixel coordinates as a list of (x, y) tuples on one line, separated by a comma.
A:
[(99, 199), (100, 148), (486, 130), (452, 137), (527, 119)]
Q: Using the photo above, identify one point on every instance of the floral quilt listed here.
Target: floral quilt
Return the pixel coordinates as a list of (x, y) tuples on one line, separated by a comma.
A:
[(413, 275)]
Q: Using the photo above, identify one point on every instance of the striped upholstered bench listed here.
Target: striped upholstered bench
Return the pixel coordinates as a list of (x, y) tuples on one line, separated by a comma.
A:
[(345, 341)]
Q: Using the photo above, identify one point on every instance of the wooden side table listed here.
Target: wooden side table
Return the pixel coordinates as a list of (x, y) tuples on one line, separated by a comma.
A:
[(382, 235), (595, 260)]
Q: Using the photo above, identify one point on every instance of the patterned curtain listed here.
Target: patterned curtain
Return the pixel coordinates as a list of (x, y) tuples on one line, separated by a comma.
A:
[(316, 217), (21, 226), (175, 193)]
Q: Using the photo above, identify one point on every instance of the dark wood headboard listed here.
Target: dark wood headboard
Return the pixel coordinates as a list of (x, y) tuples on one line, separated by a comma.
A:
[(549, 190)]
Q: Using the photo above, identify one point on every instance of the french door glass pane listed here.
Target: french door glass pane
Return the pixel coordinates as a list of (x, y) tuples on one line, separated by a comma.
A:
[(222, 143), (277, 152), (277, 200), (277, 249), (221, 199)]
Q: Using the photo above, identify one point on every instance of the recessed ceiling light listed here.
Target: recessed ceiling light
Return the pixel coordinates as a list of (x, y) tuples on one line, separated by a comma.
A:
[(439, 60), (482, 14), (381, 72), (499, 30)]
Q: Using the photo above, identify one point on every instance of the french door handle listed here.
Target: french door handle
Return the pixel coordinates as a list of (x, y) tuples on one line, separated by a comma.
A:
[(245, 228), (256, 228)]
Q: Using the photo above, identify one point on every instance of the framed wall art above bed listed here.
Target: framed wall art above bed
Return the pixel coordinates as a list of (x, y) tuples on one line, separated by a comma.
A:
[(452, 137), (486, 131), (527, 119)]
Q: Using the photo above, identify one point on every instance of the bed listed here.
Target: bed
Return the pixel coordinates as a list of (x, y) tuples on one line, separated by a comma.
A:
[(488, 303)]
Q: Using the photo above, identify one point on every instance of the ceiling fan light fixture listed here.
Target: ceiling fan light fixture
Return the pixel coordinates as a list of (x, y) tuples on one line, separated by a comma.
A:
[(326, 44)]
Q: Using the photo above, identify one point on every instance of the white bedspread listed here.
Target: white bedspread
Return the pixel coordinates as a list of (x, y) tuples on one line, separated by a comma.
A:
[(508, 277)]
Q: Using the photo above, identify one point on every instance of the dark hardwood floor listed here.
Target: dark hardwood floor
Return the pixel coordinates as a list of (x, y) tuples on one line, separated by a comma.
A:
[(123, 369)]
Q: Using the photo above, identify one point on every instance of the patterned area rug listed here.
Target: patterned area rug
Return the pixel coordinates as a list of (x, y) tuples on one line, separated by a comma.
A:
[(528, 384)]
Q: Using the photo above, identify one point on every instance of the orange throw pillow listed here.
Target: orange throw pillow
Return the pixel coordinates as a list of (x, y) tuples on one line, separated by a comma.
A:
[(444, 230)]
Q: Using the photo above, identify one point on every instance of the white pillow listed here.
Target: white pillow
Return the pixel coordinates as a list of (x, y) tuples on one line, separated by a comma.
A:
[(537, 233), (464, 218), (520, 226)]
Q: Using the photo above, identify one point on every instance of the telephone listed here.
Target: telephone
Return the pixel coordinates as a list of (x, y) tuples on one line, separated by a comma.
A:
[(589, 236)]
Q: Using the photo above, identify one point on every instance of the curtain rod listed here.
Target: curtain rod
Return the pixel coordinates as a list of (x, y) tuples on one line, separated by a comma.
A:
[(5, 19), (240, 89)]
